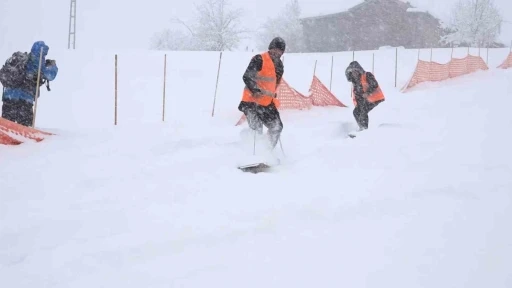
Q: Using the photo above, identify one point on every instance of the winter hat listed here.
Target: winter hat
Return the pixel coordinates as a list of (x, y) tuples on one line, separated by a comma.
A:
[(278, 43)]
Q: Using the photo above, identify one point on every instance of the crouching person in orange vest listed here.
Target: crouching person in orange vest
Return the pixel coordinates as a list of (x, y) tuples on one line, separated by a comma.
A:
[(366, 93), (259, 102)]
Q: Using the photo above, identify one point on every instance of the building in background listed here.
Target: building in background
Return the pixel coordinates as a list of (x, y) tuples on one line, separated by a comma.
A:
[(373, 24)]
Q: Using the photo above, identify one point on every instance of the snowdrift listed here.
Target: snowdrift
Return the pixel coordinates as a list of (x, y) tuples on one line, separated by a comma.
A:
[(159, 205), (421, 199)]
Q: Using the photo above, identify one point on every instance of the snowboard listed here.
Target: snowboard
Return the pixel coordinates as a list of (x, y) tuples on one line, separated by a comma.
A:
[(355, 132), (255, 167), (262, 158)]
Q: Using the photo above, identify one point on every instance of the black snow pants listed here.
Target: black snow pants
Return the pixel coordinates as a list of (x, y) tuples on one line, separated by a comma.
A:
[(19, 111), (258, 115), (361, 112)]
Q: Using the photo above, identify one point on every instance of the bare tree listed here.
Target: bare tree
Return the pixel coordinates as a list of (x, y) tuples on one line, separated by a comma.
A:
[(475, 22), (216, 28), (286, 25), (173, 40)]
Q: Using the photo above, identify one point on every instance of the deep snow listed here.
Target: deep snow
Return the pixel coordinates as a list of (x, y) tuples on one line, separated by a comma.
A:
[(422, 199)]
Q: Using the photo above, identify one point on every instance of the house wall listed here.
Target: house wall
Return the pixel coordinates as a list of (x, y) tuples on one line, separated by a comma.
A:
[(371, 25)]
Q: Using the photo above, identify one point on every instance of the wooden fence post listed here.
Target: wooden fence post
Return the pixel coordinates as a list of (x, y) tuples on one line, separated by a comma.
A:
[(396, 67), (165, 76), (373, 63), (216, 85), (332, 65), (37, 87), (115, 92)]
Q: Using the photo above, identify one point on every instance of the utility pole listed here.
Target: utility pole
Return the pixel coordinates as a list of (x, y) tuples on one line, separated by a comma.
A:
[(72, 24)]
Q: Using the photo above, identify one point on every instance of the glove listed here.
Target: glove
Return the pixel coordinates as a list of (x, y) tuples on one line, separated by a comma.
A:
[(50, 62), (257, 94)]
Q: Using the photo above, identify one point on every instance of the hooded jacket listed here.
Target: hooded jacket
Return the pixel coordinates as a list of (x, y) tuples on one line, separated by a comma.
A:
[(27, 90), (358, 90)]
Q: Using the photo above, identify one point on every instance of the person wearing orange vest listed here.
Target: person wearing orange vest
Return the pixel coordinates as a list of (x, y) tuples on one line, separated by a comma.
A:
[(366, 93), (259, 99)]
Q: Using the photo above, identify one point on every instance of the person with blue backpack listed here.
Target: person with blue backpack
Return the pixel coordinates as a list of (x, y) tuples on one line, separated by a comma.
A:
[(19, 78)]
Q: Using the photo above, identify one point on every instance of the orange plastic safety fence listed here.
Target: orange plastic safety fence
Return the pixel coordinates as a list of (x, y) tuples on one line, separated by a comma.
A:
[(321, 96), (291, 99), (507, 63), (434, 72), (13, 133), (8, 140)]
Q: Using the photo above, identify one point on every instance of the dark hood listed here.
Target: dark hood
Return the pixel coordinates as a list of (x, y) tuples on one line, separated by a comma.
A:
[(354, 66)]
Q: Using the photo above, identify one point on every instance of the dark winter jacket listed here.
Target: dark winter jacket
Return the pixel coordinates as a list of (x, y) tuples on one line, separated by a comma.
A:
[(27, 90), (356, 80), (255, 66)]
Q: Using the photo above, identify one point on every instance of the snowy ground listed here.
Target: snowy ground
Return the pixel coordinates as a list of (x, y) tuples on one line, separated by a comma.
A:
[(422, 199)]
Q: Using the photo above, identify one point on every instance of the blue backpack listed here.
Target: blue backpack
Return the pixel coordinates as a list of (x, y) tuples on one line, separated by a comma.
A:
[(12, 74)]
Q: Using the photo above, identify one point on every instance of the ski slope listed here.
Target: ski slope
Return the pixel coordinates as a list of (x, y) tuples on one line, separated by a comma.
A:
[(421, 199)]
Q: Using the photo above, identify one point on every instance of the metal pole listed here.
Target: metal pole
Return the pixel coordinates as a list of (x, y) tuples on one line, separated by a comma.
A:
[(70, 18), (72, 24), (281, 144)]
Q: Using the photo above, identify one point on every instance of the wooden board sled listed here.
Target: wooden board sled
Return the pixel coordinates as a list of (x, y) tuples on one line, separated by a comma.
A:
[(255, 167)]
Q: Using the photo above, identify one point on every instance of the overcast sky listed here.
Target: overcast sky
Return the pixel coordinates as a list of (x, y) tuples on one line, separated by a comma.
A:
[(123, 24)]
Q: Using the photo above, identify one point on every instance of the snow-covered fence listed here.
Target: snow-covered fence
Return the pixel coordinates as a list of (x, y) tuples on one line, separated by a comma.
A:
[(507, 63), (193, 81), (434, 72)]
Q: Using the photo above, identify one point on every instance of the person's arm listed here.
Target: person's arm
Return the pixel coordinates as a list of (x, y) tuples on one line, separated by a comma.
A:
[(279, 71), (250, 73), (372, 83), (358, 89)]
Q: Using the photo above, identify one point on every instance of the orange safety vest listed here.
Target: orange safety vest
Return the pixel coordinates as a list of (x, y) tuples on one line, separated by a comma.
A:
[(377, 95), (266, 82)]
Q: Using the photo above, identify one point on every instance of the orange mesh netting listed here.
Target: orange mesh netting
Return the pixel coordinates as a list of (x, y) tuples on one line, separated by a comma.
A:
[(321, 96), (433, 72), (13, 133), (291, 99), (507, 63), (7, 140)]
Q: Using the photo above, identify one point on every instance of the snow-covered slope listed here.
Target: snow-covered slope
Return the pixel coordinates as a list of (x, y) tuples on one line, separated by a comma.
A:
[(422, 199)]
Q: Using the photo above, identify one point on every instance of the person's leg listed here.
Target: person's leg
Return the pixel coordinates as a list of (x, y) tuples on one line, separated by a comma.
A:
[(361, 113), (361, 117), (367, 108), (25, 113), (271, 118), (9, 110), (253, 120), (249, 110)]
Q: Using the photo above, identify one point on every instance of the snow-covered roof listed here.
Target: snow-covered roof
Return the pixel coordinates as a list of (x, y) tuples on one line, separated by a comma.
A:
[(417, 10), (324, 9)]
